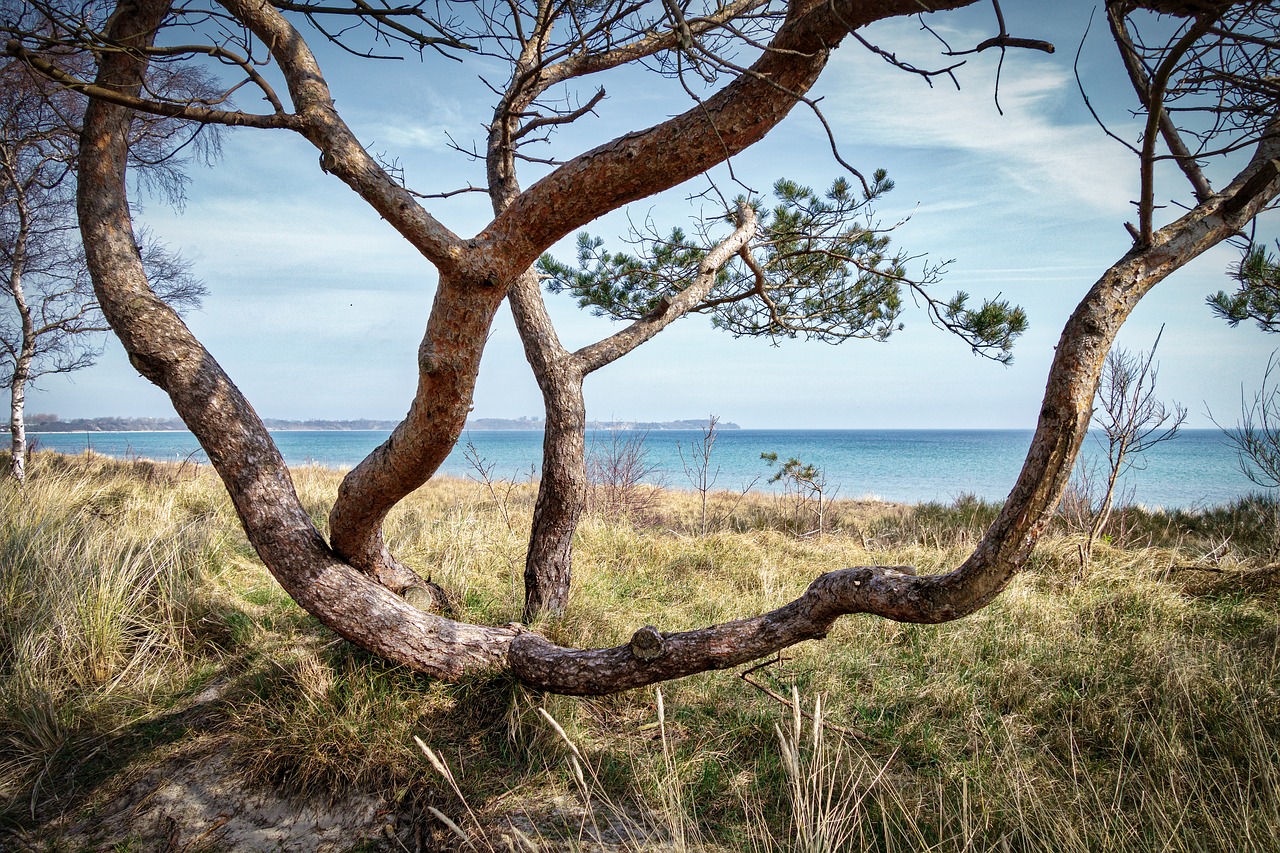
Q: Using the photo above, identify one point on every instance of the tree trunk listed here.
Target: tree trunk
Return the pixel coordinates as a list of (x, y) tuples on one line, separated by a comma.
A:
[(22, 358), (370, 615), (562, 492), (448, 362), (562, 488), (17, 420), (241, 450), (561, 501)]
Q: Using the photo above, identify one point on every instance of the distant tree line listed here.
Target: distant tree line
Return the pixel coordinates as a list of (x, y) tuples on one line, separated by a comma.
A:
[(44, 422), (539, 423), (52, 423)]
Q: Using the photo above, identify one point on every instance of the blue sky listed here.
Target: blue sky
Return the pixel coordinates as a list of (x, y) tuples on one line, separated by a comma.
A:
[(316, 306)]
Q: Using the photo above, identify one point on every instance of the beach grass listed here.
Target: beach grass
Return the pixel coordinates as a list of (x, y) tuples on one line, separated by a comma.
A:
[(1134, 707)]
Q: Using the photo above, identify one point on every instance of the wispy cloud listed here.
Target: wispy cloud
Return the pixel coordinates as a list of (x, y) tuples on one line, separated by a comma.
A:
[(431, 137), (425, 129), (1045, 145)]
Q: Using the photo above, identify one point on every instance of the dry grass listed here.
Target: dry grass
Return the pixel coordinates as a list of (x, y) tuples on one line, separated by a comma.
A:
[(1139, 710)]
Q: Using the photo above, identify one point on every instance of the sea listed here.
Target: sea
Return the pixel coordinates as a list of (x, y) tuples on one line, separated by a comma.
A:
[(1195, 469)]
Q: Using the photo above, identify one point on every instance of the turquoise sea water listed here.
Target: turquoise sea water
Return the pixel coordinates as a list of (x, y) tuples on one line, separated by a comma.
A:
[(1197, 468)]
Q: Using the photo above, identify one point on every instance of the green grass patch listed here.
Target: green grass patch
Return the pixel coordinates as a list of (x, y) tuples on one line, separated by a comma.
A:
[(1136, 710)]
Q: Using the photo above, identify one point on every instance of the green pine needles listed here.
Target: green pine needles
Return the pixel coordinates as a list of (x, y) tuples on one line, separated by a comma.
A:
[(818, 267), (1258, 296)]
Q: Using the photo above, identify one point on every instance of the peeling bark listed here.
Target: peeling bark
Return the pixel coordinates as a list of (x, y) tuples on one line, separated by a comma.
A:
[(21, 359)]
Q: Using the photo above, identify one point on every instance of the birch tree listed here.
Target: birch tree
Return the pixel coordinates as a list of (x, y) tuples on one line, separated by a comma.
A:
[(49, 319)]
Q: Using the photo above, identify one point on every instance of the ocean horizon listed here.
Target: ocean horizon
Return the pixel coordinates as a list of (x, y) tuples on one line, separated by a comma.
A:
[(1196, 469)]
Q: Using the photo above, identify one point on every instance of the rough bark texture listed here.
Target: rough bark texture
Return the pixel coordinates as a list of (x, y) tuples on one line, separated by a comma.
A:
[(474, 278), (895, 592), (562, 491), (162, 348), (448, 362), (26, 343)]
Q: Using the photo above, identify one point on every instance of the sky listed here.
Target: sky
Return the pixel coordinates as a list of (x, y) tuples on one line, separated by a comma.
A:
[(316, 306)]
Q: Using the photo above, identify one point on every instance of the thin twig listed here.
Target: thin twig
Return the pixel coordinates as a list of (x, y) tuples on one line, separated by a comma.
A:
[(745, 675)]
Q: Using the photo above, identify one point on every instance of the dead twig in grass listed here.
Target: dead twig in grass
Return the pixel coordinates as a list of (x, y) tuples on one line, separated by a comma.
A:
[(745, 675)]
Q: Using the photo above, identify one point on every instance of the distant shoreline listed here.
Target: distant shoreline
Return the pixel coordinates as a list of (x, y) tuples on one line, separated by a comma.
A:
[(126, 425)]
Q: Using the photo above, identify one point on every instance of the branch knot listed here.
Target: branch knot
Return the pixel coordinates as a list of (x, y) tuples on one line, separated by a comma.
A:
[(646, 644)]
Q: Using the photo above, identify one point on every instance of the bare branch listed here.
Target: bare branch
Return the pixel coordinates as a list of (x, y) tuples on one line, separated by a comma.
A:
[(568, 118), (188, 111)]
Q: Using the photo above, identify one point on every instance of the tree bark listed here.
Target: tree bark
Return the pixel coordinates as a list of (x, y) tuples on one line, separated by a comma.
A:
[(26, 352), (241, 450), (473, 281), (448, 362), (560, 374), (562, 489), (896, 592), (18, 398)]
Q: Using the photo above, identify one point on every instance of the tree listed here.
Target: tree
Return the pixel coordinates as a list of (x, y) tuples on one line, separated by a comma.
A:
[(1133, 421), (1256, 435), (815, 266), (1257, 296), (697, 468), (1224, 57), (50, 322), (1256, 438), (802, 483)]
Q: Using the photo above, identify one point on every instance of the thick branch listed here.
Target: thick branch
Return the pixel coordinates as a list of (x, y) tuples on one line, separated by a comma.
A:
[(897, 594), (340, 151), (239, 446), (640, 164), (597, 355)]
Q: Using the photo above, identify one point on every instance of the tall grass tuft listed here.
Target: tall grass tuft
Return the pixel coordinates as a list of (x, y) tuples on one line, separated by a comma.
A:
[(1137, 709), (98, 576)]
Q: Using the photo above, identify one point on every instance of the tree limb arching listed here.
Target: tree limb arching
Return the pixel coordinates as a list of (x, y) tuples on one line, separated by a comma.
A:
[(896, 592), (162, 348), (528, 222), (366, 613), (633, 166)]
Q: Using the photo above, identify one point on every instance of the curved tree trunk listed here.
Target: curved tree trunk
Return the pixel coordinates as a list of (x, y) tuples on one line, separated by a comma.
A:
[(448, 362), (562, 488), (241, 450), (895, 592), (369, 614)]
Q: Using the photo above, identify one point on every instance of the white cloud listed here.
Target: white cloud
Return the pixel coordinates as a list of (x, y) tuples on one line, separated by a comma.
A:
[(410, 135), (1044, 147)]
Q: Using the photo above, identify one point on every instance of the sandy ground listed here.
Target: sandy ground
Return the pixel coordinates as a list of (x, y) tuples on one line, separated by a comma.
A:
[(196, 800)]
